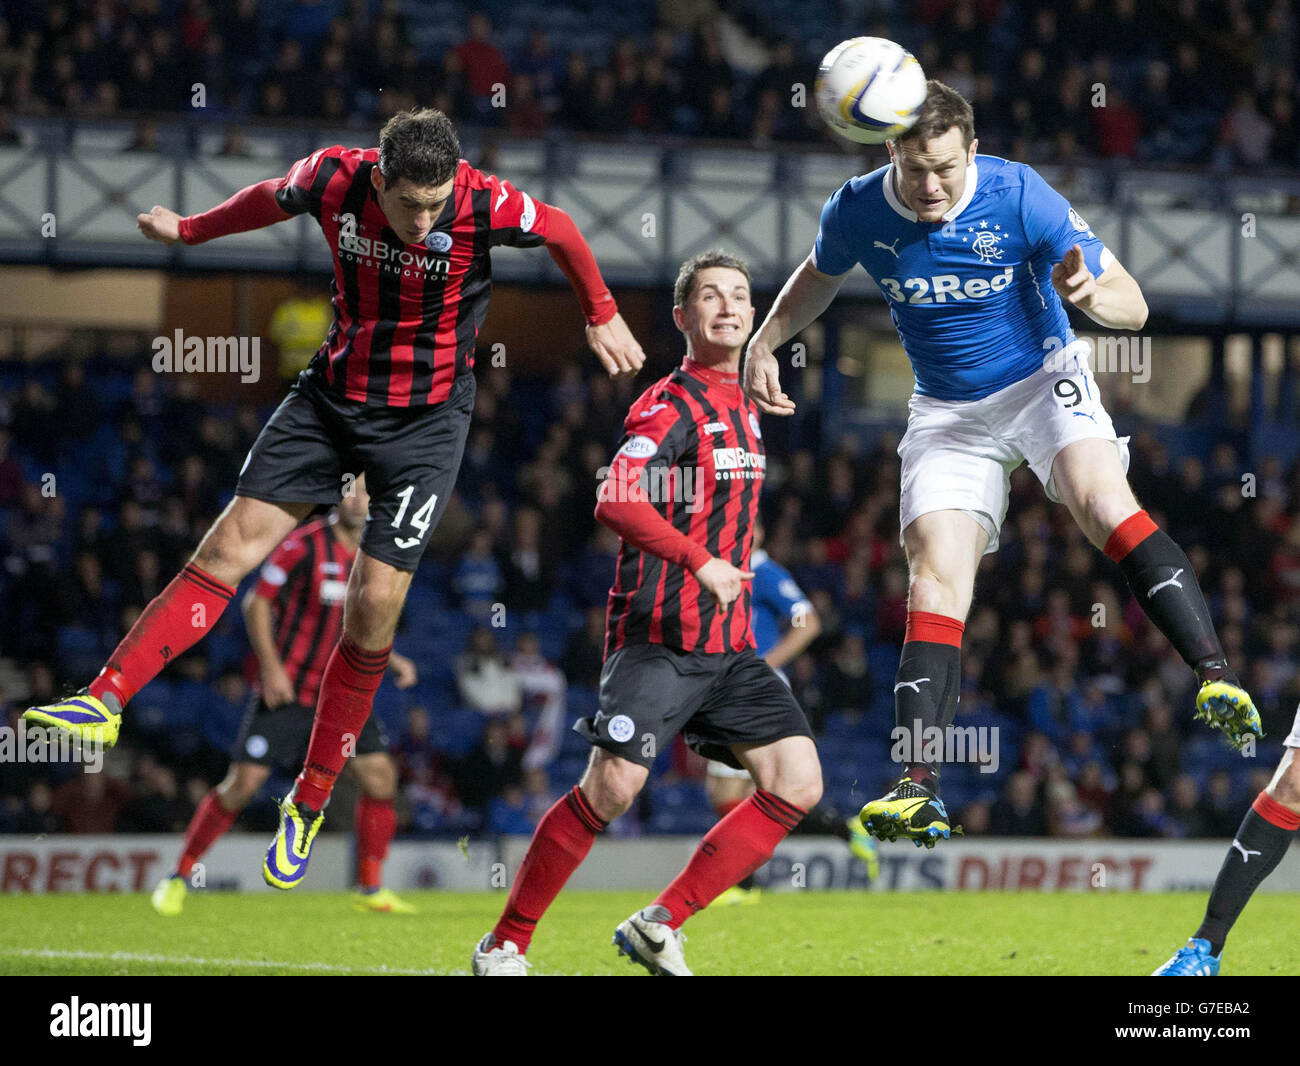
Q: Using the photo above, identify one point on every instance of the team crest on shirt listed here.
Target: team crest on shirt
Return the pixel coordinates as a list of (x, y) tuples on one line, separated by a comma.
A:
[(984, 241), (438, 242), (753, 425)]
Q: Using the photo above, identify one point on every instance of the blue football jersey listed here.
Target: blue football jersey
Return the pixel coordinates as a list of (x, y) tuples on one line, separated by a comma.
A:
[(971, 296), (776, 601)]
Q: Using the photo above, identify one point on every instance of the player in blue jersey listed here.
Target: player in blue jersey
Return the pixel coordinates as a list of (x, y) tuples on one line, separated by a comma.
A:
[(977, 257), (784, 623)]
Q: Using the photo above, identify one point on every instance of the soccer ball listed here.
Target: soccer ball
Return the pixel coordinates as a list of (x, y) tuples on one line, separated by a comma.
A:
[(870, 89)]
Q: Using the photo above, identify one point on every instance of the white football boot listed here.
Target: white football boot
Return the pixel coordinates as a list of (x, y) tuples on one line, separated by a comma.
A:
[(493, 960), (645, 939)]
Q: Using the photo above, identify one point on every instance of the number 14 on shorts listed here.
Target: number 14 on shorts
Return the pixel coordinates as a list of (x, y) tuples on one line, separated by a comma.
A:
[(420, 519)]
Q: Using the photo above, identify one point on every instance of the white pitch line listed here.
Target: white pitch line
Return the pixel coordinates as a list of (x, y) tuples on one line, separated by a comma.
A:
[(190, 960)]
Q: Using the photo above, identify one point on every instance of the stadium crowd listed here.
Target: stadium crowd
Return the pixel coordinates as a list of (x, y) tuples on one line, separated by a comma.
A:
[(108, 475), (1191, 81)]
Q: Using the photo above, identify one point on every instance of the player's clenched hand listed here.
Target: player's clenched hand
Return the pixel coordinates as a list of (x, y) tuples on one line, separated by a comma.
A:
[(277, 689), (723, 580), (615, 347), (1073, 281), (161, 225), (404, 673), (763, 381)]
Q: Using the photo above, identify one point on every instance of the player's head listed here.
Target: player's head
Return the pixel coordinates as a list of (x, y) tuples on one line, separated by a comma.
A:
[(355, 504), (418, 155), (931, 158), (712, 304)]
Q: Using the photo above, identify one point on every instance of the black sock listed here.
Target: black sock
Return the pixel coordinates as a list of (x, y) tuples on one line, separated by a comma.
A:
[(746, 882), (1164, 584), (926, 688), (1255, 853), (823, 821)]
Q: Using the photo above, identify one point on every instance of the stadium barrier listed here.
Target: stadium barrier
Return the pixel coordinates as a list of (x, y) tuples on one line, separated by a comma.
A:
[(136, 863)]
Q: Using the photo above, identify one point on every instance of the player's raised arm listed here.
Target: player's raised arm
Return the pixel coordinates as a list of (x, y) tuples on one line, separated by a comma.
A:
[(1112, 298), (803, 298), (250, 208), (253, 207)]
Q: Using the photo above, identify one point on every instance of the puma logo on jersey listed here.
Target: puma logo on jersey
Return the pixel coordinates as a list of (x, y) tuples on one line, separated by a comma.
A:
[(888, 247), (915, 686), (1245, 854), (1163, 584)]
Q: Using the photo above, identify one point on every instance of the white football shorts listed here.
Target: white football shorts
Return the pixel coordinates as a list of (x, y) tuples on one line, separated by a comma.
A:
[(959, 455)]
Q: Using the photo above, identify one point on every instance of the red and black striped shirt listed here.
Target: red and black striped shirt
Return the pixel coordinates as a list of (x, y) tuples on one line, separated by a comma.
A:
[(693, 450), (306, 579), (406, 316)]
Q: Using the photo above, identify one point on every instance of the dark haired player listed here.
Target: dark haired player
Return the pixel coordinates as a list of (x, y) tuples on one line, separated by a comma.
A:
[(411, 226), (977, 258), (682, 494), (294, 615)]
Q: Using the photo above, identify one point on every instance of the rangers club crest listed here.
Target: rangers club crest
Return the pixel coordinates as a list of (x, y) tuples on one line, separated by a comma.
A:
[(984, 241)]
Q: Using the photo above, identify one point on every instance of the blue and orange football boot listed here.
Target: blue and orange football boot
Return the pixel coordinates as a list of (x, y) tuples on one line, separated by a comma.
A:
[(286, 858), (83, 715)]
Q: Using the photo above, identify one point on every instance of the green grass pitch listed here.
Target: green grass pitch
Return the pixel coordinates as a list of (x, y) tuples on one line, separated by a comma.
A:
[(786, 933)]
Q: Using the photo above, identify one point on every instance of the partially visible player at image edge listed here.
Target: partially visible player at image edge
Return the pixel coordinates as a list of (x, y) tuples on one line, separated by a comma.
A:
[(976, 257), (390, 393), (1262, 841), (679, 652)]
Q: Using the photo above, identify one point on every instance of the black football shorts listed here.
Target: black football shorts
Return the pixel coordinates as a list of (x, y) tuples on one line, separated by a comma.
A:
[(278, 736), (410, 456), (650, 693)]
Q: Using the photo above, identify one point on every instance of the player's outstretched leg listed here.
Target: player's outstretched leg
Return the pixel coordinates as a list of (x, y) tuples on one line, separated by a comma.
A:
[(376, 592), (788, 776), (943, 548), (1090, 480), (176, 619), (561, 841), (1261, 842), (1164, 584), (925, 698)]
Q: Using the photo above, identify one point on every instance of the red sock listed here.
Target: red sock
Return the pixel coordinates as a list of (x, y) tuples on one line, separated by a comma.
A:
[(563, 838), (376, 822), (731, 851), (177, 619), (347, 692), (210, 821), (724, 809)]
